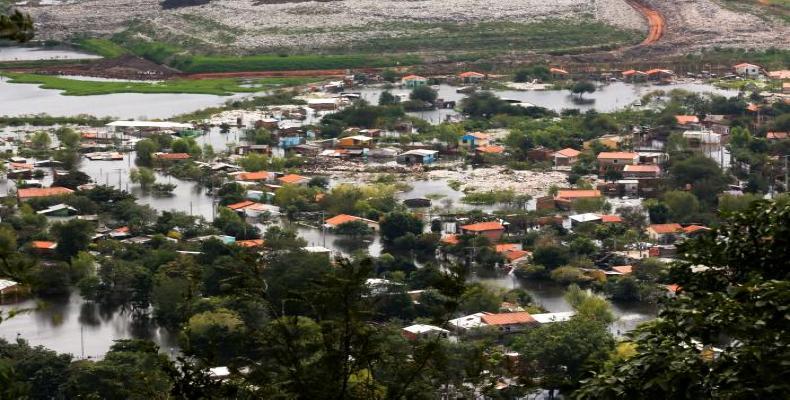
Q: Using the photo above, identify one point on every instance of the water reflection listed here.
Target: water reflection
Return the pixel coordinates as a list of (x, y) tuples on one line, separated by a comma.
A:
[(83, 329)]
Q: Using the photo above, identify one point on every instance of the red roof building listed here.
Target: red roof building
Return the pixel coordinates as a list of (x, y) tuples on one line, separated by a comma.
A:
[(30, 193), (573, 194), (509, 322), (611, 219), (293, 179), (686, 119), (250, 243), (240, 205), (341, 219), (255, 176), (43, 245), (493, 230)]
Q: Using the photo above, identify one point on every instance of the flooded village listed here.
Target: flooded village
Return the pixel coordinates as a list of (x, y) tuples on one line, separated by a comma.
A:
[(561, 180)]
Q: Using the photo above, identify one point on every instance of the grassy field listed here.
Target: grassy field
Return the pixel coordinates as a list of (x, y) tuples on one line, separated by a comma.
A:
[(497, 37), (102, 47), (423, 41), (198, 64), (220, 87)]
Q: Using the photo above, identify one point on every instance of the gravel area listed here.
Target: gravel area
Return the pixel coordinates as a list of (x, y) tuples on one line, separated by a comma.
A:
[(295, 24), (492, 179)]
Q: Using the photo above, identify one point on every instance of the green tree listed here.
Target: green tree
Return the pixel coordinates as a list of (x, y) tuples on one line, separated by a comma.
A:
[(725, 335), (143, 176), (589, 305), (682, 206), (556, 356), (132, 369), (72, 236), (214, 336), (387, 98), (145, 150), (582, 87), (700, 173), (397, 224), (40, 141), (423, 93), (550, 256), (478, 298)]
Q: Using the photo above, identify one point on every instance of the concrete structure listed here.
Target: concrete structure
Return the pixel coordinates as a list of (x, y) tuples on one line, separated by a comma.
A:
[(641, 171), (471, 77), (566, 157), (664, 233), (418, 156), (746, 69), (421, 331), (475, 140), (413, 81)]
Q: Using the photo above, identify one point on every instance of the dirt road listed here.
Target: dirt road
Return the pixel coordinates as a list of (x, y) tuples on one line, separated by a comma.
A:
[(656, 21)]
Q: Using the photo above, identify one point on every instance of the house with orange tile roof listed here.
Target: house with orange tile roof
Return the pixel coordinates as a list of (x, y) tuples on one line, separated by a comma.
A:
[(32, 193), (517, 256), (293, 179), (510, 322), (664, 233), (575, 194), (258, 176), (616, 160), (558, 73), (566, 157), (641, 171), (633, 75), (684, 120), (42, 247), (493, 230), (240, 205), (451, 239), (611, 219), (746, 69), (490, 149), (475, 139), (695, 230), (171, 156), (658, 74), (471, 77), (777, 136), (337, 220), (250, 243)]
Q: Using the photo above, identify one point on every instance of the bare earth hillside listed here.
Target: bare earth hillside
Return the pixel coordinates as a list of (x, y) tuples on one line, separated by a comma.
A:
[(245, 25)]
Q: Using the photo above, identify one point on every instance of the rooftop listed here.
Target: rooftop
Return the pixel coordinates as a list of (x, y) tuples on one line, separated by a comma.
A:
[(508, 318), (617, 155), (568, 152), (292, 178), (666, 228), (570, 194), (43, 192), (483, 226)]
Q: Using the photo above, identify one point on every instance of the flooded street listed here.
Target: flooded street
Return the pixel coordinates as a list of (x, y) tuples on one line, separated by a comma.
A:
[(83, 329)]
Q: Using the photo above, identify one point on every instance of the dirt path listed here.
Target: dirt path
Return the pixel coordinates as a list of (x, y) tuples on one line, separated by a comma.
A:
[(655, 20)]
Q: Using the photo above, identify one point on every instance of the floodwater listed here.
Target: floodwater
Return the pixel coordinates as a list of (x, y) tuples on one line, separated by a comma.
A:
[(83, 329), (36, 53), (609, 97), (26, 99), (550, 295)]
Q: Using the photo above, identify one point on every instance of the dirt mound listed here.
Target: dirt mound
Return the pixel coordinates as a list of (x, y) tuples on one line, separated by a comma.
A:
[(124, 67)]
